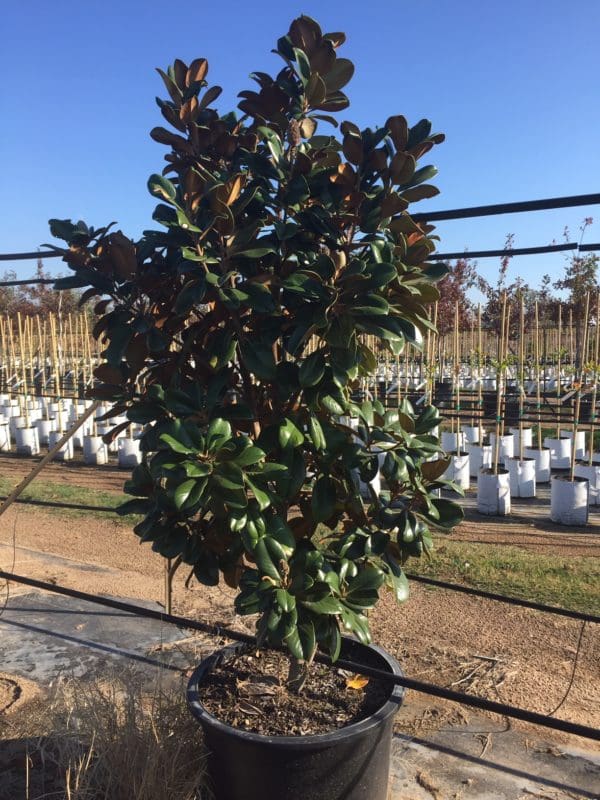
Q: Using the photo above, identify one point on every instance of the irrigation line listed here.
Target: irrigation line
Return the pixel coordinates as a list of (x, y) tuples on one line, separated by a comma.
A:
[(419, 686), (517, 251), (513, 251), (67, 506), (514, 601), (510, 208), (27, 282)]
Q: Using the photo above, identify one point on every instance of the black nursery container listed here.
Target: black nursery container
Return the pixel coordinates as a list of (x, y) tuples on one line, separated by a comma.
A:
[(350, 763)]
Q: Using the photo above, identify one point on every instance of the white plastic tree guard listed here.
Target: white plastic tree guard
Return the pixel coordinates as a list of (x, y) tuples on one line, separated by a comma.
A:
[(569, 500), (27, 442), (129, 452), (458, 470), (453, 442), (560, 452), (76, 411), (480, 457), (5, 438), (527, 438), (473, 434), (521, 476), (66, 451), (506, 448), (542, 463), (103, 429), (14, 423), (493, 492), (591, 472), (579, 443), (34, 415), (44, 427), (94, 450)]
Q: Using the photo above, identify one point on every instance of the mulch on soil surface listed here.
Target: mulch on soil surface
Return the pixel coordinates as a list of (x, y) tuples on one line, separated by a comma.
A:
[(250, 693)]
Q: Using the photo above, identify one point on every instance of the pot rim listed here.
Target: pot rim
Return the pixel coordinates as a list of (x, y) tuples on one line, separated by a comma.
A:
[(567, 478), (355, 729), (490, 471)]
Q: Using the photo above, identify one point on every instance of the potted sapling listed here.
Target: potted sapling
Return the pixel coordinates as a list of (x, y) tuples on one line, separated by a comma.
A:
[(493, 483), (539, 454), (237, 334), (570, 493), (521, 469)]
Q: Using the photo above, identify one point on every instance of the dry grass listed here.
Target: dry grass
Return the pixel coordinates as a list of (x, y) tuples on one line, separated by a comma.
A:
[(108, 740)]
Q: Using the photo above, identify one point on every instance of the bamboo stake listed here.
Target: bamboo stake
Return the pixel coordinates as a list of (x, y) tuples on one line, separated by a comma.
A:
[(579, 384), (23, 366), (537, 376), (571, 344), (499, 384), (504, 364), (479, 377), (4, 382), (434, 343), (596, 375), (72, 350), (558, 369), (521, 377), (30, 354), (55, 359), (13, 366), (456, 374)]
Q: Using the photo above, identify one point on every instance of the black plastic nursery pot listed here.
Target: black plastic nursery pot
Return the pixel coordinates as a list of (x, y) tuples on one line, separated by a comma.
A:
[(350, 763)]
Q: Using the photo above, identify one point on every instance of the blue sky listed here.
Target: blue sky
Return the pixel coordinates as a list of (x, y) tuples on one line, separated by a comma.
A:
[(513, 85)]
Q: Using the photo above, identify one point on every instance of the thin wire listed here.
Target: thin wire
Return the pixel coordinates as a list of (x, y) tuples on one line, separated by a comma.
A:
[(510, 208), (575, 660)]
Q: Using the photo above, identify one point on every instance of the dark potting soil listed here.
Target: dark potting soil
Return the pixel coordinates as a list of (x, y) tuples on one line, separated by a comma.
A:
[(250, 693)]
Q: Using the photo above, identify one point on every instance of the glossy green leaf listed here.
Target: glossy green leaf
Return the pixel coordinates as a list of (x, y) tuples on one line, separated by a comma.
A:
[(177, 446), (262, 497), (249, 456), (328, 605), (289, 435), (182, 492), (312, 370), (316, 433), (160, 186), (323, 501), (219, 432), (269, 556), (449, 513)]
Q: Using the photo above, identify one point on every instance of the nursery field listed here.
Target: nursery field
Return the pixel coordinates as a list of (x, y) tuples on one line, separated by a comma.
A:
[(521, 656)]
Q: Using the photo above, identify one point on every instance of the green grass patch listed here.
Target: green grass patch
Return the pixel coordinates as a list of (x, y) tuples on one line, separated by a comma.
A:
[(568, 581), (44, 491)]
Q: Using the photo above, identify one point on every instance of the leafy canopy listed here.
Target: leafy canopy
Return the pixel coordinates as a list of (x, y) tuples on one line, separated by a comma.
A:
[(239, 332)]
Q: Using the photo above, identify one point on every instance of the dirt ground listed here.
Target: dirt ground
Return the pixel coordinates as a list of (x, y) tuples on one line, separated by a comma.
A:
[(505, 653)]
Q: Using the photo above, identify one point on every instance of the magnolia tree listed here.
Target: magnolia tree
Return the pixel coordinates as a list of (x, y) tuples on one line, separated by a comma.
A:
[(239, 333)]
